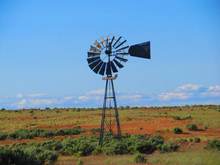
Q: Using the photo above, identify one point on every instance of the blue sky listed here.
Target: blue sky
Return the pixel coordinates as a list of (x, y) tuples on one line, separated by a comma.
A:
[(44, 44)]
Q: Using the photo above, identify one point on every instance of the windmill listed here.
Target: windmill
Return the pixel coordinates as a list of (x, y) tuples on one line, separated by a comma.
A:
[(105, 57)]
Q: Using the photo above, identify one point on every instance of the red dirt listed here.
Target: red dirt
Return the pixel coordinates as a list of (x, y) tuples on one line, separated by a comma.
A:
[(162, 125)]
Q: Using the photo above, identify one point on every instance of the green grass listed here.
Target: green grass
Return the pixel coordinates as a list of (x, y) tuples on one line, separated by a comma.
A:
[(202, 157)]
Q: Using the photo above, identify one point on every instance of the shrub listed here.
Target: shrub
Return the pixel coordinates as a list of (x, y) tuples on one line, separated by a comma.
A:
[(177, 130), (72, 131), (52, 145), (176, 118), (197, 140), (156, 140), (139, 158), (181, 140), (115, 147), (29, 134), (21, 134), (145, 147), (97, 150), (168, 147), (82, 146), (182, 118), (17, 157), (3, 136), (214, 144), (192, 127)]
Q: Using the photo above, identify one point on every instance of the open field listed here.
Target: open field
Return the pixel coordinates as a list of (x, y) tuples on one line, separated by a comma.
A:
[(136, 121)]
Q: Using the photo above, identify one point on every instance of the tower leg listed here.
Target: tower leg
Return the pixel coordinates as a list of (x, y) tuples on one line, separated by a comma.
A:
[(103, 115), (116, 111)]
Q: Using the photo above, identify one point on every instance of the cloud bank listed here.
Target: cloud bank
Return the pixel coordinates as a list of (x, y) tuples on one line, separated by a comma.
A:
[(184, 94)]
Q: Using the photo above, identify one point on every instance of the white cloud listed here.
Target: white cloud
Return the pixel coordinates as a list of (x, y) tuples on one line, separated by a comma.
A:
[(191, 91), (93, 95), (68, 98), (42, 101), (189, 87), (186, 93), (213, 91), (130, 97), (173, 96), (83, 98), (22, 102)]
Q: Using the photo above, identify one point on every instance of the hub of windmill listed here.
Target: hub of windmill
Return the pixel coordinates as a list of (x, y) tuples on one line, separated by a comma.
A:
[(108, 52)]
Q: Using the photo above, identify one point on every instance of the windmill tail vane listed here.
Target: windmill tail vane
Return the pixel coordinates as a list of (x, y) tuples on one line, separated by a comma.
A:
[(105, 57)]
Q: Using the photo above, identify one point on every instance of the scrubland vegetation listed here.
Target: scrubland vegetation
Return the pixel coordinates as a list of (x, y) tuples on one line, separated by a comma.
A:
[(155, 135)]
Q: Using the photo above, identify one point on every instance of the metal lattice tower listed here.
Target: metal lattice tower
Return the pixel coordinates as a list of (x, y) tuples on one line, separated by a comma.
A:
[(107, 124)]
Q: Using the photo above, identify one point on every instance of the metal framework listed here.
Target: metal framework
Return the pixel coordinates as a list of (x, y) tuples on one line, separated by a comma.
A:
[(109, 96)]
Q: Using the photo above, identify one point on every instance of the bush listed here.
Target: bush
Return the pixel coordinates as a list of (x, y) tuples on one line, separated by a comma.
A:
[(17, 157), (29, 134), (47, 152), (82, 146), (145, 147), (192, 127), (21, 134), (139, 158), (3, 136), (115, 147), (168, 147), (97, 150), (182, 118), (177, 130), (52, 145), (197, 140), (214, 144), (73, 131), (156, 140)]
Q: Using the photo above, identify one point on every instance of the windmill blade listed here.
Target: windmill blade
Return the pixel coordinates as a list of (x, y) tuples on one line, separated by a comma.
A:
[(114, 69), (108, 69), (141, 50), (103, 42), (94, 64), (118, 63), (98, 66), (97, 44), (125, 47), (92, 59), (117, 41), (93, 54), (94, 49), (121, 59), (112, 40), (120, 44), (102, 70), (108, 41)]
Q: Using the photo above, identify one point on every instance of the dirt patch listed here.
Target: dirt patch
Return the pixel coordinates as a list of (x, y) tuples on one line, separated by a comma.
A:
[(152, 126)]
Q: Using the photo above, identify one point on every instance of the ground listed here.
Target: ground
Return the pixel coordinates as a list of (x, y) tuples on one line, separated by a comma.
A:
[(151, 121)]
